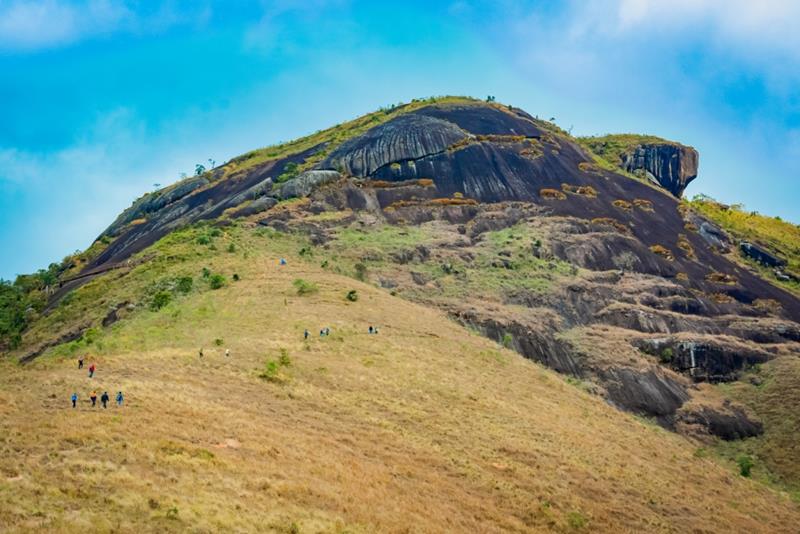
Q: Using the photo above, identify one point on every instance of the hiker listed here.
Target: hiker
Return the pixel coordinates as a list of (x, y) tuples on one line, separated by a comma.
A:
[(322, 332), (80, 363), (227, 352), (305, 334), (283, 261), (93, 396), (327, 331), (119, 398), (74, 399), (92, 369), (104, 399), (371, 329), (201, 353)]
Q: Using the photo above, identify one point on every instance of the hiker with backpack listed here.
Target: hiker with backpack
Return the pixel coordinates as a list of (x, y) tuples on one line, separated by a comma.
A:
[(74, 399), (93, 397), (104, 399), (305, 334), (92, 369), (119, 398)]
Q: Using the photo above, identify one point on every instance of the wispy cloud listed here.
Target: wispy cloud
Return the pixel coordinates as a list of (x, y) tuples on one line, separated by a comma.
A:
[(746, 27), (30, 25)]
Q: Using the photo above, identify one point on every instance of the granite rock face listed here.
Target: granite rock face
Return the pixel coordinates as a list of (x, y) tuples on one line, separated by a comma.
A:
[(408, 137), (153, 202), (670, 165)]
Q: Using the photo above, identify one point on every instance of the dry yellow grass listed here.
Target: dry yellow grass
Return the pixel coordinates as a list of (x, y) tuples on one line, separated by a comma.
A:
[(424, 427)]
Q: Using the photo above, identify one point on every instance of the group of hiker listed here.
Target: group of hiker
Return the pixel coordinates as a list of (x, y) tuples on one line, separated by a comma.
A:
[(324, 332), (227, 353), (104, 398)]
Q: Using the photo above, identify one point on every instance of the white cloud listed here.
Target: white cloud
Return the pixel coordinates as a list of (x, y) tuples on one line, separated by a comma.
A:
[(31, 25), (763, 25), (28, 25)]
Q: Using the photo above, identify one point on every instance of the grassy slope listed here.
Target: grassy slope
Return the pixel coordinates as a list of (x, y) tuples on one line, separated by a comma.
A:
[(423, 427), (779, 236), (776, 400)]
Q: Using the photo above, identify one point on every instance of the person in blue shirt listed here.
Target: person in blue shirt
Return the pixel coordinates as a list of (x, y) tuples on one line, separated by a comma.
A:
[(119, 398), (74, 399)]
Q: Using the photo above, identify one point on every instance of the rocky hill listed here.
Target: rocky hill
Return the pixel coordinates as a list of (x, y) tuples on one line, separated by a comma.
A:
[(577, 254)]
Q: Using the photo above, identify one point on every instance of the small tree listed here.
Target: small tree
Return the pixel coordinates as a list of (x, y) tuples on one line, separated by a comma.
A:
[(745, 463), (361, 271), (199, 169), (160, 299), (304, 287), (216, 281), (185, 284)]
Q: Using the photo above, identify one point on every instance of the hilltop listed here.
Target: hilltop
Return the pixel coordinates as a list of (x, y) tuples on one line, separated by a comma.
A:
[(550, 309)]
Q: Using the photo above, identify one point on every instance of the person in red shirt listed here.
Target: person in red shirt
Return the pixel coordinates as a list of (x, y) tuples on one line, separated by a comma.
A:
[(91, 370)]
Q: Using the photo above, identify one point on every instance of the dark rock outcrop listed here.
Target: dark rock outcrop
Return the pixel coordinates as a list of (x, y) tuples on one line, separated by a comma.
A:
[(761, 254), (729, 424), (153, 202), (534, 340), (704, 360), (408, 137), (669, 165), (649, 392)]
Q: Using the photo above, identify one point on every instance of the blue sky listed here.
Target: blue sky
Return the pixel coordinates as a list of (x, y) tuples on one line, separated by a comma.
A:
[(100, 99)]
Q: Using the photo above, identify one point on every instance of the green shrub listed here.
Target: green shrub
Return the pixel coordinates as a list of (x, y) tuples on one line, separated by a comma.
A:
[(666, 355), (270, 370), (291, 170), (184, 284), (236, 277), (304, 287), (218, 342), (206, 272), (352, 295), (576, 520), (745, 463), (160, 299), (508, 339), (361, 271), (324, 264), (283, 359), (216, 281), (203, 240), (231, 248), (215, 232)]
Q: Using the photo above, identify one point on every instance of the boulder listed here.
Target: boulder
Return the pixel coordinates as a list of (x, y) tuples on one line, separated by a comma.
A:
[(259, 205), (305, 183), (761, 254), (670, 165)]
